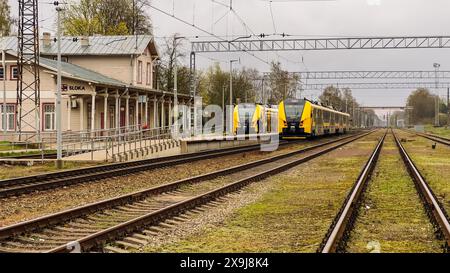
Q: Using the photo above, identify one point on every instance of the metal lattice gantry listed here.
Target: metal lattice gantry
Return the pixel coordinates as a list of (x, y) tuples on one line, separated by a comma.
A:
[(377, 85), (322, 44), (383, 107), (344, 75), (28, 86)]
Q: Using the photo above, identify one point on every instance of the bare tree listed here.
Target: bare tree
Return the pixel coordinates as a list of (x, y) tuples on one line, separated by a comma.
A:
[(168, 60), (282, 84)]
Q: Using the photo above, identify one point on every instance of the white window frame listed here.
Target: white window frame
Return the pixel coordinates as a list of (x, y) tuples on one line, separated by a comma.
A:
[(10, 114), (46, 113), (149, 74), (139, 72), (12, 72)]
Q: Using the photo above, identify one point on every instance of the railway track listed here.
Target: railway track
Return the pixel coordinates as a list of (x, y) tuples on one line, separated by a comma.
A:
[(89, 227), (438, 139), (28, 184), (337, 236)]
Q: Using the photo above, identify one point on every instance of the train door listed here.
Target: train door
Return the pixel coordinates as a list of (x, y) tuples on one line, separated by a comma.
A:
[(320, 122)]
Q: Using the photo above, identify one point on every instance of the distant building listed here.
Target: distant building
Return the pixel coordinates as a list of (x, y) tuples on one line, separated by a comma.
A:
[(107, 82), (400, 123)]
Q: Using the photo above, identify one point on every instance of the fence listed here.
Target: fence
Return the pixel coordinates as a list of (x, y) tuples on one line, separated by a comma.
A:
[(113, 141)]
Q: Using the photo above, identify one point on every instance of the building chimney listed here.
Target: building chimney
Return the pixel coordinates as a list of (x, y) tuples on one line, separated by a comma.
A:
[(84, 41), (46, 39)]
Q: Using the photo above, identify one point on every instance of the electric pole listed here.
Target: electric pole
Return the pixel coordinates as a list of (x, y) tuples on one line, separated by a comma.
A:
[(230, 122), (59, 163), (436, 109), (175, 86)]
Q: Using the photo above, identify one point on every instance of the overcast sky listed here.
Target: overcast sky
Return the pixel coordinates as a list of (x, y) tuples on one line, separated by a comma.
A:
[(340, 18)]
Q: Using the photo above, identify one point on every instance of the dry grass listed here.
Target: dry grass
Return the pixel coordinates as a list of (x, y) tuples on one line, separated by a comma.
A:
[(440, 131), (16, 209), (434, 164), (293, 216), (392, 215)]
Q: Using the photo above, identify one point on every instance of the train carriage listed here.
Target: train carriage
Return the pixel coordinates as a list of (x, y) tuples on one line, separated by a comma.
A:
[(246, 118), (303, 118), (249, 118)]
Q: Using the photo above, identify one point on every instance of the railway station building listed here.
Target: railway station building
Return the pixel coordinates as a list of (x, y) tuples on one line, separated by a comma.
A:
[(108, 82)]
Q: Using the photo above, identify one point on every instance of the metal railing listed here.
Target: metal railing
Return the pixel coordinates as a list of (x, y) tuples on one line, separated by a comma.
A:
[(115, 141), (112, 141)]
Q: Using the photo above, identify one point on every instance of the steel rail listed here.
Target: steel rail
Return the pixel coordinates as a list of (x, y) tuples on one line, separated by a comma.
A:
[(99, 238), (435, 211), (438, 139), (341, 225), (69, 214), (22, 185)]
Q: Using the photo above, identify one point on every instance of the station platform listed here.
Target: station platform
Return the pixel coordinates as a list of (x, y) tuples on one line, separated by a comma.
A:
[(212, 142), (127, 152), (155, 149)]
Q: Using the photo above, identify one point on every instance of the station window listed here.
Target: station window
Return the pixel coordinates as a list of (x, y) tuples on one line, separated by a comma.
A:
[(112, 117), (149, 74), (49, 116), (2, 73), (10, 121), (139, 72), (14, 72)]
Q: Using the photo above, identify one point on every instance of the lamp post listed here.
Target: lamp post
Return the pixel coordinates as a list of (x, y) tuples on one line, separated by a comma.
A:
[(436, 103), (59, 163), (230, 122), (175, 86), (223, 109), (231, 79)]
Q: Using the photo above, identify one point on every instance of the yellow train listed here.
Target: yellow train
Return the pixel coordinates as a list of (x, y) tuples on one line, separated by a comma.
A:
[(249, 118), (303, 118)]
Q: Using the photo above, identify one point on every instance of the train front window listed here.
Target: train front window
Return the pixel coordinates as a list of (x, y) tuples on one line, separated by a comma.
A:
[(294, 111), (246, 112)]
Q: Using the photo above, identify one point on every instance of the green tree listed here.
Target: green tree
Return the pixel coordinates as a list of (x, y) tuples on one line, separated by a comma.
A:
[(5, 18), (343, 100), (216, 85), (106, 17), (423, 106), (243, 85)]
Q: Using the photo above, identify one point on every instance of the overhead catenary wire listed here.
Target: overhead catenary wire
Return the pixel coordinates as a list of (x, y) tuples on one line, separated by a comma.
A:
[(201, 29)]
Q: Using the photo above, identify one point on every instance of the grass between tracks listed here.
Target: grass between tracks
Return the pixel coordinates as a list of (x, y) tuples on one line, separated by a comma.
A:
[(12, 154), (293, 216), (439, 131), (392, 218), (434, 164), (11, 171)]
